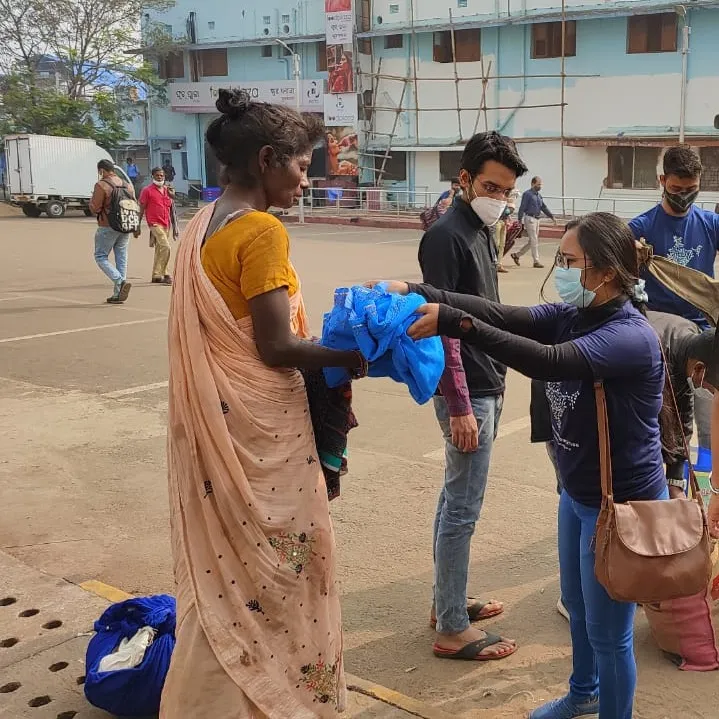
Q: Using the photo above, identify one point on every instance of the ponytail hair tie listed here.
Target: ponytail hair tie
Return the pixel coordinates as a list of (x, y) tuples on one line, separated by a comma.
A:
[(639, 293)]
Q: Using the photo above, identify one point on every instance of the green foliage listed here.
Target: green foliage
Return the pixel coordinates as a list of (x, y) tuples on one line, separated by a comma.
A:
[(97, 67)]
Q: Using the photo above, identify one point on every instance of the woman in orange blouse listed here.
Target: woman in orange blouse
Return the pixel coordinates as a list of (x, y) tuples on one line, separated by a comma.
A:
[(258, 626)]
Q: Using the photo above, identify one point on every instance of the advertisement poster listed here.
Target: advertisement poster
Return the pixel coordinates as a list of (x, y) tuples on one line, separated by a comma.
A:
[(339, 28), (338, 6), (341, 110), (339, 68), (342, 152)]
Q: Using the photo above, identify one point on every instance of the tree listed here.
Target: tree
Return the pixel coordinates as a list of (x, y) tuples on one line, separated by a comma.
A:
[(91, 48)]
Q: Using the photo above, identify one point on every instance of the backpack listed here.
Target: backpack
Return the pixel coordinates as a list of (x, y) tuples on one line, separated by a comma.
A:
[(123, 214)]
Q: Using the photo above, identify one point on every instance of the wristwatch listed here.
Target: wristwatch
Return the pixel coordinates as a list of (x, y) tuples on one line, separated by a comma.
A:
[(680, 483)]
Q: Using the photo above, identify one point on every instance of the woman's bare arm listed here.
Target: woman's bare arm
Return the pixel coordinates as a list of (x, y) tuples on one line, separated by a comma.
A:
[(278, 347)]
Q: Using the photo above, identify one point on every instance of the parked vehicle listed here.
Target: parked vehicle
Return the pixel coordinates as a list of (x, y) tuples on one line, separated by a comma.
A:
[(52, 174)]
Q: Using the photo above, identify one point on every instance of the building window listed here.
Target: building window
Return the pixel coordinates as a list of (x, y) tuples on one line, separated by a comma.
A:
[(286, 52), (394, 9), (632, 168), (393, 42), (213, 63), (467, 44), (710, 173), (172, 66), (321, 57), (285, 19), (267, 50), (652, 33), (461, 3), (185, 171), (366, 108), (448, 165), (266, 20), (547, 39), (366, 15), (395, 169)]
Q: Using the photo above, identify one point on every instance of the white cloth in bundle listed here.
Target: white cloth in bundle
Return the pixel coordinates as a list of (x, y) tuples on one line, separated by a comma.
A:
[(130, 653)]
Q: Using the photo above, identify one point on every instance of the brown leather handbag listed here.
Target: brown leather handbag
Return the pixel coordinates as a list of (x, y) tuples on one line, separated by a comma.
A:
[(648, 551)]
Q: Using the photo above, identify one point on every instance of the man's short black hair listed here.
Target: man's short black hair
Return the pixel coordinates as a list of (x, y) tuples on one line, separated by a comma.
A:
[(106, 165), (487, 146), (156, 169), (701, 347), (536, 179), (682, 161), (455, 181)]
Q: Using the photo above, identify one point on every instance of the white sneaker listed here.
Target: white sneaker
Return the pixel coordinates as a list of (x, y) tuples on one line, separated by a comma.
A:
[(562, 609)]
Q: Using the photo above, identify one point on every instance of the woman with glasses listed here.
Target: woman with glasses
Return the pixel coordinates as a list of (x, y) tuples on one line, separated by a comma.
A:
[(597, 332)]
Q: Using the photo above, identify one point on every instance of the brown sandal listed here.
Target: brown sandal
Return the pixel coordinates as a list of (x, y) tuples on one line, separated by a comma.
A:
[(474, 610)]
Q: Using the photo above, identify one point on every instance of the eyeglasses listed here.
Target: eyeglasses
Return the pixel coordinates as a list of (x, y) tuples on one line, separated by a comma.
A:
[(565, 262), (491, 189)]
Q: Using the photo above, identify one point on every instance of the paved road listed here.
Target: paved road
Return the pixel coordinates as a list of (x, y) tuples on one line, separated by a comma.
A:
[(82, 471)]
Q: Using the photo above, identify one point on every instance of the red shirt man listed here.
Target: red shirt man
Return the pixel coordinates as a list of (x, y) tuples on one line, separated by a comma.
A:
[(156, 207)]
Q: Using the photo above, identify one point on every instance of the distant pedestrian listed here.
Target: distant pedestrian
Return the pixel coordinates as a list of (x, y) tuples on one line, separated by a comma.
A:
[(530, 210), (169, 171), (107, 239), (156, 207), (132, 172)]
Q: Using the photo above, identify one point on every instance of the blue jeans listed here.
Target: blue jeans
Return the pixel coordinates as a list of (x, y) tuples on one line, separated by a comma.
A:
[(460, 502), (602, 629), (108, 240)]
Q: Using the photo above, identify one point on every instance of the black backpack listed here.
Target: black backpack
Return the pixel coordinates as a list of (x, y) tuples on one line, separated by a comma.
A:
[(123, 214)]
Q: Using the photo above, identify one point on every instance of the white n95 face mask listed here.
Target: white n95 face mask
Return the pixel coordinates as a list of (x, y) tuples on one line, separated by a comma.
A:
[(488, 209)]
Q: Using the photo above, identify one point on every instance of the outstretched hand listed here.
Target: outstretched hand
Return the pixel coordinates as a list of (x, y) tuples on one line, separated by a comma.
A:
[(393, 286), (427, 324)]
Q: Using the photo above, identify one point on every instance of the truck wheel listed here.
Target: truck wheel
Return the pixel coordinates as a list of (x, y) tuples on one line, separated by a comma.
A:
[(31, 211), (55, 208), (88, 212)]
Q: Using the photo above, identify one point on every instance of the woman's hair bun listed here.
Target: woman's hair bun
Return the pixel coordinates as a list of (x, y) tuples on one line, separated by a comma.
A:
[(233, 103)]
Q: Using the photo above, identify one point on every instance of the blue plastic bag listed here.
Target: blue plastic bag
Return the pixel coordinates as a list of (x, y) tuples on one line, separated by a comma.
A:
[(375, 322), (132, 692)]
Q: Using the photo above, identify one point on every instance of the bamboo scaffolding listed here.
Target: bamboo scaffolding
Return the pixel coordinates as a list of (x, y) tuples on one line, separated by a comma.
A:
[(482, 109)]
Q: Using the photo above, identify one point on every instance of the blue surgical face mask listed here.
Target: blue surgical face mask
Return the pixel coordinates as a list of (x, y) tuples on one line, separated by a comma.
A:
[(568, 281)]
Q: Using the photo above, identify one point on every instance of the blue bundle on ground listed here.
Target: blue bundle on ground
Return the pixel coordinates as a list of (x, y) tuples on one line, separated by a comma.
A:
[(375, 322), (132, 692)]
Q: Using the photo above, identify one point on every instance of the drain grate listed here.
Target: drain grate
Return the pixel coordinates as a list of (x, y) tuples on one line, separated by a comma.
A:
[(7, 601), (66, 715), (9, 642), (10, 687), (29, 613), (58, 666), (54, 624)]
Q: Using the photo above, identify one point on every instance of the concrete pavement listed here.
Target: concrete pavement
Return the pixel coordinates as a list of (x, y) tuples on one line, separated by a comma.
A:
[(83, 487)]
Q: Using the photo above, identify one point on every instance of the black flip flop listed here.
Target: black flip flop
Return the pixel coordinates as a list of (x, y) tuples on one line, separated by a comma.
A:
[(472, 652)]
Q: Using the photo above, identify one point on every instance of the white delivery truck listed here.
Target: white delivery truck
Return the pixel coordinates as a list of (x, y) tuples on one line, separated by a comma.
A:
[(52, 174)]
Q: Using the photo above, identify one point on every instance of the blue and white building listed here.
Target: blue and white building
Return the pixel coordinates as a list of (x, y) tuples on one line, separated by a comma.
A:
[(636, 76)]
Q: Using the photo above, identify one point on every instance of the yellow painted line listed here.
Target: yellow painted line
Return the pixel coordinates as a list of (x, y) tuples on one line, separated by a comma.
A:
[(105, 591), (414, 707)]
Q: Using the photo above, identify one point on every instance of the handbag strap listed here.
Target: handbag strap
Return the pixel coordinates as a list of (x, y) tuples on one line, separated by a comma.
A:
[(693, 483), (605, 454)]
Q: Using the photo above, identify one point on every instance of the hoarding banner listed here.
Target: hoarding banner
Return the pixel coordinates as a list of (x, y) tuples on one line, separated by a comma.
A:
[(341, 110), (340, 26), (201, 96)]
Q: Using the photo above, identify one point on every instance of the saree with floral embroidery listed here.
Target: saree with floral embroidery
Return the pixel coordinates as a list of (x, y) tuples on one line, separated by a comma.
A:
[(258, 628)]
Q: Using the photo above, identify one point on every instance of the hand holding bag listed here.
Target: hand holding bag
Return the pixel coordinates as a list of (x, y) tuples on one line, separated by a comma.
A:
[(648, 551)]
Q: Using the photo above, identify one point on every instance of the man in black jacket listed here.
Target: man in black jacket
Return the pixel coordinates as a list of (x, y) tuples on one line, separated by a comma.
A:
[(458, 254)]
